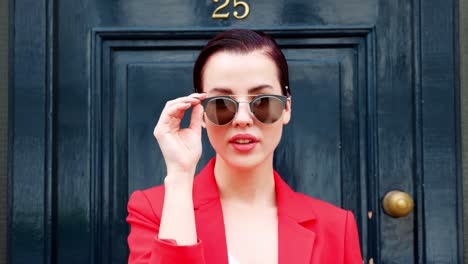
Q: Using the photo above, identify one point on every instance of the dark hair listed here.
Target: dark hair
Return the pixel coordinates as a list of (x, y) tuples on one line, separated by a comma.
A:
[(242, 41)]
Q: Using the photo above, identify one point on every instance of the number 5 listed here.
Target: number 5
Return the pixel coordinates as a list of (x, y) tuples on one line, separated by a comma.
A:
[(246, 9)]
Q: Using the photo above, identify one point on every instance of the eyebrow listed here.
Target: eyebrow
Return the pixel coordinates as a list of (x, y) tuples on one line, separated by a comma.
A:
[(255, 89)]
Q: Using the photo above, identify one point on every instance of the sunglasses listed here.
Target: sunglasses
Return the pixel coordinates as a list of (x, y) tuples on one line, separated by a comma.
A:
[(267, 108)]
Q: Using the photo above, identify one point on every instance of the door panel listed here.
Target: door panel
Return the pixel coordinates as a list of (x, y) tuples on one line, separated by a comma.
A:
[(361, 75), (319, 155)]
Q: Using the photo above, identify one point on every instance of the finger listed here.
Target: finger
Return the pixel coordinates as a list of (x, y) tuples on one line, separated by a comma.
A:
[(196, 118), (182, 100), (188, 99), (171, 118), (182, 104), (200, 96), (178, 110), (197, 94), (174, 111)]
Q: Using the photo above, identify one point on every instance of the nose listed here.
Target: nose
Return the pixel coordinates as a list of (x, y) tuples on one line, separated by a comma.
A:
[(243, 117)]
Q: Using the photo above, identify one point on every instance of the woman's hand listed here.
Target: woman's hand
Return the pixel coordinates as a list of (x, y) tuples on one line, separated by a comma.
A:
[(181, 148)]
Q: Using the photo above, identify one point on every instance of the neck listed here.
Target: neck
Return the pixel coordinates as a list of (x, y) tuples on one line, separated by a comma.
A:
[(253, 187)]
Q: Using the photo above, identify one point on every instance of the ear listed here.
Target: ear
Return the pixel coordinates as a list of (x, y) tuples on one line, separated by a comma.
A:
[(287, 112), (203, 123)]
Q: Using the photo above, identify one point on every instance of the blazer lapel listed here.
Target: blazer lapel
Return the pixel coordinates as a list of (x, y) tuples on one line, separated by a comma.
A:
[(209, 215), (295, 241)]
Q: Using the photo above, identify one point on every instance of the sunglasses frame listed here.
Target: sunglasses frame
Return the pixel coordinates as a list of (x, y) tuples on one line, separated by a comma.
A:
[(283, 99)]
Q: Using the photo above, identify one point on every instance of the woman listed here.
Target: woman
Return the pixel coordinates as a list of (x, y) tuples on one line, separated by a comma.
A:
[(237, 210)]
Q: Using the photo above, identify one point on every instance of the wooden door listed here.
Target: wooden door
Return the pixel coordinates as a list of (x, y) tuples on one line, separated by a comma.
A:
[(374, 88)]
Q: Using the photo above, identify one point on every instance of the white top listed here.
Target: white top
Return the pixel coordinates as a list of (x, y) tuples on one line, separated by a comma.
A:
[(232, 260)]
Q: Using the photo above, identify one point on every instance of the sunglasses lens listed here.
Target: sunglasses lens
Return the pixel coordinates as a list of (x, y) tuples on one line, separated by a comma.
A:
[(220, 110), (267, 109)]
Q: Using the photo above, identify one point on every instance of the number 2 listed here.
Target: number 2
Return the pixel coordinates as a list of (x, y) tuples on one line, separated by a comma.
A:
[(218, 15)]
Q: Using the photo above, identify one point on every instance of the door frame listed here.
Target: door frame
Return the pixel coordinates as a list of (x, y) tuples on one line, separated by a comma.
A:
[(437, 166)]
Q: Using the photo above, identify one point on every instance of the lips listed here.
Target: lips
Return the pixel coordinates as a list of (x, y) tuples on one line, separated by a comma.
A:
[(243, 142)]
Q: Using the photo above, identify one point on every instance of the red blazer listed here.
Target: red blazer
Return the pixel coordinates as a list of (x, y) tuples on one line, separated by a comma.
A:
[(309, 230)]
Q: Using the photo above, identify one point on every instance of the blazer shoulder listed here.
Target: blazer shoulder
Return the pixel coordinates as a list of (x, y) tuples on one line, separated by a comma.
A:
[(324, 211), (153, 196)]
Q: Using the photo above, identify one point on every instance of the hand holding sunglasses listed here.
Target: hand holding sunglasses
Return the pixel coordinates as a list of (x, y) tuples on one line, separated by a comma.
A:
[(267, 108), (181, 147)]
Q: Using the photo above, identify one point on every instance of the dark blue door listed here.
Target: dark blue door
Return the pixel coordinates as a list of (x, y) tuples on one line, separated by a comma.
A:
[(374, 110)]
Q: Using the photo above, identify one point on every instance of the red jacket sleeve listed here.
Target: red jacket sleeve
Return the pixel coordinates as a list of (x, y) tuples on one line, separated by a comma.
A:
[(143, 242), (352, 254)]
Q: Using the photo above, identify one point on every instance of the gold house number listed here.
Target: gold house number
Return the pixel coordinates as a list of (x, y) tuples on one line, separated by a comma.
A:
[(218, 15)]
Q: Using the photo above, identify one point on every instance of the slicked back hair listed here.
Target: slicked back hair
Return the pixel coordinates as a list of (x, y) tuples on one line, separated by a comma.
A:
[(242, 41)]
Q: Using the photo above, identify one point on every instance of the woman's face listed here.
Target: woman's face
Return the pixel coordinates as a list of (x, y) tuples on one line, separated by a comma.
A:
[(245, 142)]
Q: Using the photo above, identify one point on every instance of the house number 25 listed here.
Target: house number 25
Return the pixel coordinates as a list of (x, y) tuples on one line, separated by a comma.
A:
[(217, 14)]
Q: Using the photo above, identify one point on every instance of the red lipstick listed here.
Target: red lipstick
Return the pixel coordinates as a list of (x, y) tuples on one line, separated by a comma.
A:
[(243, 142)]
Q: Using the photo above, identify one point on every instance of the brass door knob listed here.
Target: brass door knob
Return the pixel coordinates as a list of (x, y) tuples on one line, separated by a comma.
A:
[(397, 204)]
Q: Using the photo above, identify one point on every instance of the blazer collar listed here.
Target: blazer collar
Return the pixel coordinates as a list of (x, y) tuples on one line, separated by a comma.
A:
[(295, 240)]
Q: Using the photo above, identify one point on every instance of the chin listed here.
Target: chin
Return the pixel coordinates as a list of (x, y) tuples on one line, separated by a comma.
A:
[(245, 161)]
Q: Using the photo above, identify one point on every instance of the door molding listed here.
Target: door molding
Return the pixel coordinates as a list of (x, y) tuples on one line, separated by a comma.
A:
[(108, 143)]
